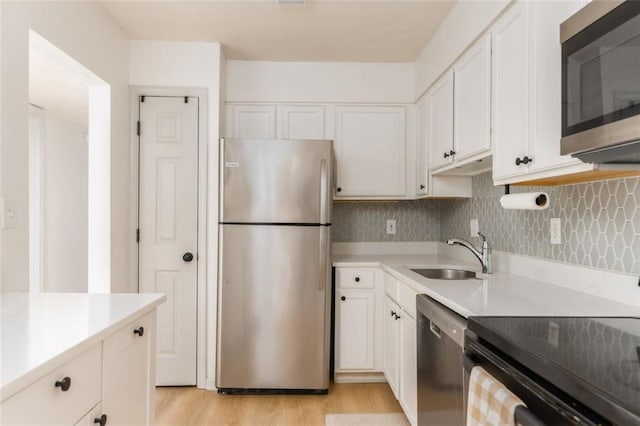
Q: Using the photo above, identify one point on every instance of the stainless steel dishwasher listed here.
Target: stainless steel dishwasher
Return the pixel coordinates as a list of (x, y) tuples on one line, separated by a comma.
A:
[(440, 369)]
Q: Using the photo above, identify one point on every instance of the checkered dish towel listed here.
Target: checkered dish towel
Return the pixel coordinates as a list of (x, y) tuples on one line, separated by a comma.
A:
[(490, 403)]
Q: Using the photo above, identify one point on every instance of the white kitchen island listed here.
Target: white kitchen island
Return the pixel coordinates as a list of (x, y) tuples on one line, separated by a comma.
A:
[(77, 358)]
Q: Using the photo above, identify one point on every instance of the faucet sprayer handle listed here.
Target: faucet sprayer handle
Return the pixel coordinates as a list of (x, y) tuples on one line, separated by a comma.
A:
[(482, 236)]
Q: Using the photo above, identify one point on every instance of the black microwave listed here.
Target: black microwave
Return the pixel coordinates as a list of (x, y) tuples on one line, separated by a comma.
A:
[(601, 82)]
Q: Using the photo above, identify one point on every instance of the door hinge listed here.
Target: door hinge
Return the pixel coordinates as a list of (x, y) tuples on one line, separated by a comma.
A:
[(138, 235), (138, 128)]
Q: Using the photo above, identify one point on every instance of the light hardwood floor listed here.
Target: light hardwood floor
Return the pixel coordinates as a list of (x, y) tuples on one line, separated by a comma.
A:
[(192, 406)]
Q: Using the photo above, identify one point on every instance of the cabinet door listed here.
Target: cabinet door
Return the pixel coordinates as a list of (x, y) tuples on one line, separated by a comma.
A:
[(254, 121), (128, 373), (391, 338), (408, 367), (301, 122), (510, 75), (355, 329), (545, 148), (422, 165), (370, 150), (440, 123), (472, 101)]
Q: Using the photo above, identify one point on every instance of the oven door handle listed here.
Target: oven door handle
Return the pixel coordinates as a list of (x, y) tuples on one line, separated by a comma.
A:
[(522, 416)]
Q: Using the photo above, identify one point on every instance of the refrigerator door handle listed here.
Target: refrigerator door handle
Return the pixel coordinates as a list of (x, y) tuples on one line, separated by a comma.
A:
[(323, 191), (324, 231)]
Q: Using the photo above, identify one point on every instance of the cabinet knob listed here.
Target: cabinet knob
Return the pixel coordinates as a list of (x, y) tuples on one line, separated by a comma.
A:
[(421, 186), (452, 153), (524, 160), (64, 384), (446, 154), (343, 298), (102, 420), (393, 313), (397, 316), (187, 257), (139, 331), (338, 189), (357, 279)]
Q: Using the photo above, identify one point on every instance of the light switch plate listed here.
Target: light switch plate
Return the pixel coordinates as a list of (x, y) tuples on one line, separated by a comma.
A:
[(555, 230), (391, 227), (475, 227), (9, 219)]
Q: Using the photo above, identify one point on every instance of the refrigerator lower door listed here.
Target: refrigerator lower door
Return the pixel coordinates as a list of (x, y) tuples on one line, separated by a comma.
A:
[(274, 293)]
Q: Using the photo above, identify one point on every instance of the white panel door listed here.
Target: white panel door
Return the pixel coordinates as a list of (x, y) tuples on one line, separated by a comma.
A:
[(254, 122), (440, 123), (472, 101), (370, 151), (301, 122), (355, 329), (510, 77), (168, 200)]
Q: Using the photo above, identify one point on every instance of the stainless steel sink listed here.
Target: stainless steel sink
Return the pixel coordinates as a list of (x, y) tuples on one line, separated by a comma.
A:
[(446, 274)]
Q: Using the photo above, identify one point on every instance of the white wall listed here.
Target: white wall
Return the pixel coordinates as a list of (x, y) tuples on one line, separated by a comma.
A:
[(65, 201), (87, 34), (466, 21), (331, 82), (193, 65)]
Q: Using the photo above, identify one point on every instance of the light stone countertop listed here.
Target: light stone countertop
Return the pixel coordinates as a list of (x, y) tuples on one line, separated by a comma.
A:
[(41, 331), (498, 294)]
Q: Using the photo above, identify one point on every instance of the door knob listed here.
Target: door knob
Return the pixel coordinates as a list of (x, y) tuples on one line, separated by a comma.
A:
[(187, 257)]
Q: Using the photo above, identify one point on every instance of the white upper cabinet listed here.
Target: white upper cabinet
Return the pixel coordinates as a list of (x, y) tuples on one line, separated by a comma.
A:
[(252, 122), (422, 159), (301, 122), (472, 101), (440, 122), (511, 73), (371, 152), (526, 93)]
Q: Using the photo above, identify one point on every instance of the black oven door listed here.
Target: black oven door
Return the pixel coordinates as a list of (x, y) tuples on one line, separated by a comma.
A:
[(545, 405), (601, 79)]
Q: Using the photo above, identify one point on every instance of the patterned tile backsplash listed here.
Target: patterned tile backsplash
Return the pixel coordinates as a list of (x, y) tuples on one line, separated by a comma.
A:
[(600, 222)]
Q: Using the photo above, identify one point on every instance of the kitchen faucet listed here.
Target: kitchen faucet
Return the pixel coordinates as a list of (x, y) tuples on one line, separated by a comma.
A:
[(483, 256)]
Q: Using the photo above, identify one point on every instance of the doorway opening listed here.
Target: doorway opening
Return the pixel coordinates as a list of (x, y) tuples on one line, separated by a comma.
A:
[(69, 173)]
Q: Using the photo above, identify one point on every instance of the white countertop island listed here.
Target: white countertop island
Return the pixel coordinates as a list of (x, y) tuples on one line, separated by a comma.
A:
[(41, 331)]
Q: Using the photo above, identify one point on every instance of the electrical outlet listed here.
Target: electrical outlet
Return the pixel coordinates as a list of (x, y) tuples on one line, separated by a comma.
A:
[(391, 227), (555, 230), (475, 227)]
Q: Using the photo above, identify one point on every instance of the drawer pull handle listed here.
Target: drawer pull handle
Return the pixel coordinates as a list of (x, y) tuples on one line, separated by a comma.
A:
[(357, 279), (64, 384), (139, 331), (102, 420)]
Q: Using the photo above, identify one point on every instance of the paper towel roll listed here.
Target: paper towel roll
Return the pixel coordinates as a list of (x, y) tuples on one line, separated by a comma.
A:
[(525, 201)]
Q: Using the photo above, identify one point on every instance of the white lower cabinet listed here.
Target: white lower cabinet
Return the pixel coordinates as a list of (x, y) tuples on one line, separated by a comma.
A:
[(129, 363), (391, 338), (113, 378), (400, 345), (355, 329), (408, 367)]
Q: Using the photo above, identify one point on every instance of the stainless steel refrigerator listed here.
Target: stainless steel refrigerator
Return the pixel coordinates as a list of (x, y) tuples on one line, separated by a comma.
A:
[(274, 276)]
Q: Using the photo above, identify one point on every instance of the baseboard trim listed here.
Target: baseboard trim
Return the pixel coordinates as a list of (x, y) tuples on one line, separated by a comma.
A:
[(359, 378)]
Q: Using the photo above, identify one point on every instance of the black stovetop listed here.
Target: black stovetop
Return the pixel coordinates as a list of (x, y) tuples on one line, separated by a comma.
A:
[(597, 357)]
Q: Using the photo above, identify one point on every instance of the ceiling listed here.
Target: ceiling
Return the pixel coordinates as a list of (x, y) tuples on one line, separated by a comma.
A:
[(320, 30)]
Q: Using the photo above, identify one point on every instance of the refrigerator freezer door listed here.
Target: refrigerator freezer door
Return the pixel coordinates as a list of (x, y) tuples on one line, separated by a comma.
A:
[(274, 307), (276, 181)]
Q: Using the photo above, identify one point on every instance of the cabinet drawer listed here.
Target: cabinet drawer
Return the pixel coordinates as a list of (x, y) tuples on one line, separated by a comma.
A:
[(408, 299), (391, 287), (44, 403), (355, 277)]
